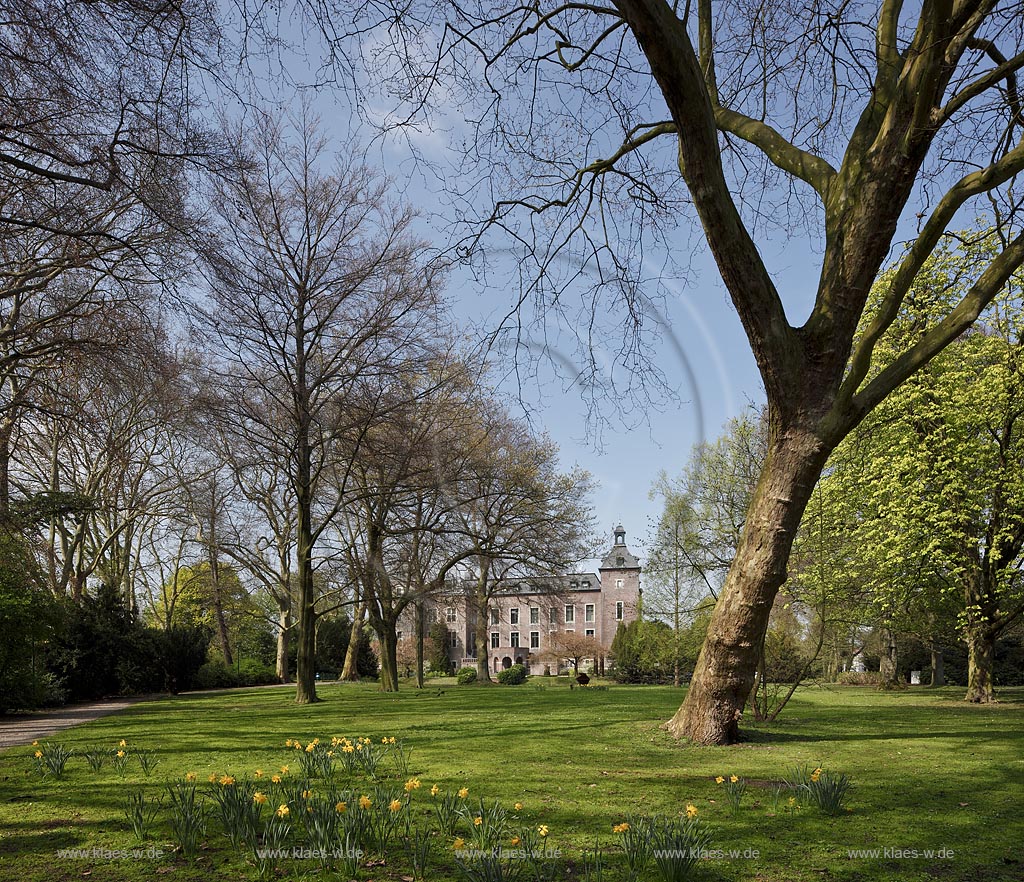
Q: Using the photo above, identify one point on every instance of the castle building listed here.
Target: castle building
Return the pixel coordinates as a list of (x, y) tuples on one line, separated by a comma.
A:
[(526, 616)]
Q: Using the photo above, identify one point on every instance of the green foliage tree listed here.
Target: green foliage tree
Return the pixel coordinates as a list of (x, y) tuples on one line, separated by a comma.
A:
[(937, 472), (27, 622), (246, 625), (437, 649)]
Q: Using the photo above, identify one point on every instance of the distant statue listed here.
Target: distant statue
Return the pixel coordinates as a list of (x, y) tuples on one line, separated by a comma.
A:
[(582, 679)]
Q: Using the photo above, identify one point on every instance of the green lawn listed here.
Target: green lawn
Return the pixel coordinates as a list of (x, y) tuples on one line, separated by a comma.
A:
[(929, 772)]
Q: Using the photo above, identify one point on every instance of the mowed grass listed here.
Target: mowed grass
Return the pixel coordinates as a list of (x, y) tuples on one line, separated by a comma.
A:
[(929, 772)]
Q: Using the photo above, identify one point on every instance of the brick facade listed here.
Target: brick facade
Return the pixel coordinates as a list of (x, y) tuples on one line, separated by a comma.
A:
[(524, 615)]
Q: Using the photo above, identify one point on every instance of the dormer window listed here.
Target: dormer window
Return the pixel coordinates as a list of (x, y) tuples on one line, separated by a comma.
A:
[(620, 561)]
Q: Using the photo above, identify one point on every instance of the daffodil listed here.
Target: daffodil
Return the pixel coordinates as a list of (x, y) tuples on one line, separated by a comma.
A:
[(733, 779), (288, 743), (691, 811), (620, 828), (518, 806), (515, 840), (463, 792), (120, 754), (340, 807), (365, 802), (122, 743), (435, 790), (35, 744), (477, 821), (259, 798), (310, 747), (38, 754), (412, 784), (395, 805), (543, 830), (212, 779), (284, 770), (226, 781), (459, 843), (719, 780), (275, 779), (307, 794), (282, 811), (190, 777), (258, 773)]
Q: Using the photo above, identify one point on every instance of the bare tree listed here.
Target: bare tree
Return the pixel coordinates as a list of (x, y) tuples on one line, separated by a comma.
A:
[(521, 516), (574, 648), (317, 290), (842, 121)]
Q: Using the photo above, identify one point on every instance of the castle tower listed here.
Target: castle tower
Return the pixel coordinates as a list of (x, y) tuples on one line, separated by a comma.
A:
[(620, 587)]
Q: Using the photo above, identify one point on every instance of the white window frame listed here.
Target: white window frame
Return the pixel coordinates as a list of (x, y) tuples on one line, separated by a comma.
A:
[(570, 614), (513, 615), (495, 639), (534, 615), (451, 615), (535, 640), (513, 639), (619, 609), (588, 612)]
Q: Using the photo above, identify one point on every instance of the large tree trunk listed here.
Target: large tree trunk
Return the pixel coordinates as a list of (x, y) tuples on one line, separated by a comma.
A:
[(219, 616), (724, 674), (980, 653), (889, 659), (305, 667), (388, 637), (419, 644), (938, 668), (284, 629), (483, 644), (350, 670)]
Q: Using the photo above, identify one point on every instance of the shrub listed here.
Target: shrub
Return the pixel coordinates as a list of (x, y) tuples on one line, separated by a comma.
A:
[(216, 675), (859, 678), (252, 672), (513, 676), (465, 676)]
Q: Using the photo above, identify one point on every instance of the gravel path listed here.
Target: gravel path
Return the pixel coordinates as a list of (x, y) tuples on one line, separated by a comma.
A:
[(24, 729)]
